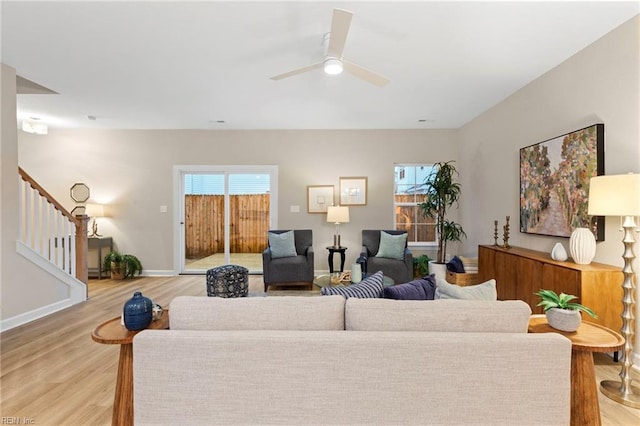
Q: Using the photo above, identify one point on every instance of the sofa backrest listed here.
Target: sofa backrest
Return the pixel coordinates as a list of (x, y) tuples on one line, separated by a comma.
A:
[(329, 377), (257, 313), (509, 316)]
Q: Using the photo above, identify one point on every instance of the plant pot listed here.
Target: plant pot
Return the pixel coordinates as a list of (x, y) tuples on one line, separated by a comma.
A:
[(438, 269), (117, 271), (564, 319)]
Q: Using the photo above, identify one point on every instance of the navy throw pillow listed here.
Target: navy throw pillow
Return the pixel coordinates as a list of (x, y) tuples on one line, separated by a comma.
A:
[(421, 289), (455, 265)]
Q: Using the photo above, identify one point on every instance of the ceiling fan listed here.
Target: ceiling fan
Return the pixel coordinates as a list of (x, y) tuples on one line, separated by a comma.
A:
[(333, 62)]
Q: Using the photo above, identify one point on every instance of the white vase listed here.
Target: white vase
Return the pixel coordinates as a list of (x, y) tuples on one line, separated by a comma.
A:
[(438, 269), (559, 253), (564, 319), (356, 273), (582, 246)]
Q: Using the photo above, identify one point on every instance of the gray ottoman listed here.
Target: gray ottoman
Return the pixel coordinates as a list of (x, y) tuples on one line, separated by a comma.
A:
[(228, 281)]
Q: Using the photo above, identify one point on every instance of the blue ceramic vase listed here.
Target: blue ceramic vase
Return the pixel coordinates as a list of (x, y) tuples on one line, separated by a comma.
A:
[(138, 312)]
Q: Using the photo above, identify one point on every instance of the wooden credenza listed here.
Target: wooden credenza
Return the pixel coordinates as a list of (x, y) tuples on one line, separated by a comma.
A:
[(520, 272)]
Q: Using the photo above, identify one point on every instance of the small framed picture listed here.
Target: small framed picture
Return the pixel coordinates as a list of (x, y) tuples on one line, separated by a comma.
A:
[(319, 197), (353, 191)]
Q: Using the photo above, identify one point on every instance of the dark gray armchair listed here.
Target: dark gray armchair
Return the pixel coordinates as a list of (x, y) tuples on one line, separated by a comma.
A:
[(400, 271), (294, 270)]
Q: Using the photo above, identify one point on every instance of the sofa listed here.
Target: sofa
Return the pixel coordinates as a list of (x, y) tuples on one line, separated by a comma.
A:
[(330, 360)]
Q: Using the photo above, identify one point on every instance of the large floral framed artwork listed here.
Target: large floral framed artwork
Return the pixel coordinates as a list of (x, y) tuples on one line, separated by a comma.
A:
[(554, 183)]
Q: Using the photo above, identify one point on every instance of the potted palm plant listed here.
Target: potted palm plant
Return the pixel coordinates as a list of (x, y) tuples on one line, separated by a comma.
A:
[(121, 266), (442, 192), (561, 312)]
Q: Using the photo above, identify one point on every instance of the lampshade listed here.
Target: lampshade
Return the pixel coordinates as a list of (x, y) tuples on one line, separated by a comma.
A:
[(614, 195), (94, 210), (332, 66), (338, 214)]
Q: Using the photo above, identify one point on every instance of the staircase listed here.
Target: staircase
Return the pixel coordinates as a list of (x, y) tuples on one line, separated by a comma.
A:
[(52, 238)]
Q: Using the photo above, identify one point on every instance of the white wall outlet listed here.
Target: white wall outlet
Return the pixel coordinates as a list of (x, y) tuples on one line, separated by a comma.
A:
[(294, 209), (163, 209)]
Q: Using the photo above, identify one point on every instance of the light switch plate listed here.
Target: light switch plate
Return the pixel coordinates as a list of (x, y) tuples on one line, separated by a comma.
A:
[(163, 209), (294, 209)]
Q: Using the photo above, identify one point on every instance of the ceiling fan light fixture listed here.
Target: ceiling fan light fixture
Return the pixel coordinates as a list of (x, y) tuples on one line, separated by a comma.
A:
[(333, 66)]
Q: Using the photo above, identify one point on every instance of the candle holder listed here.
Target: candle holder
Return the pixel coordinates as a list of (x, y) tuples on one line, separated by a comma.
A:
[(495, 233), (505, 235)]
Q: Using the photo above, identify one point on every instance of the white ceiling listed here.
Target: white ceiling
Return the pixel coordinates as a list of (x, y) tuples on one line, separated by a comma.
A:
[(187, 65)]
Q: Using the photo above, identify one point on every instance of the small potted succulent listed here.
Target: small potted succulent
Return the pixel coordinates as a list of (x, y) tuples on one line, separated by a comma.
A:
[(561, 312), (121, 266)]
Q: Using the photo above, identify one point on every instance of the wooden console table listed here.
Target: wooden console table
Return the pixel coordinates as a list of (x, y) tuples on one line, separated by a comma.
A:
[(111, 332), (100, 243), (520, 272), (589, 338)]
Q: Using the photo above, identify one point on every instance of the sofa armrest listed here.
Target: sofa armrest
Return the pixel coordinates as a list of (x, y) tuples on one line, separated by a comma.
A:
[(364, 252)]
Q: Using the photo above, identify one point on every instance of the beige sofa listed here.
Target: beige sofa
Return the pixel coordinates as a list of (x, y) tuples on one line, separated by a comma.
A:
[(324, 360)]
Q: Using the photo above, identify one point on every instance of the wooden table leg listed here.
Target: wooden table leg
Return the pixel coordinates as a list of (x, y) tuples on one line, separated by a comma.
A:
[(123, 399), (585, 409)]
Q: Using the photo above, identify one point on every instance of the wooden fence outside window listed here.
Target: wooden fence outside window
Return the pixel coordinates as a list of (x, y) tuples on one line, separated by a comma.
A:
[(204, 225)]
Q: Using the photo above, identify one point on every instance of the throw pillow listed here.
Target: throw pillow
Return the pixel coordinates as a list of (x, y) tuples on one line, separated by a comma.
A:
[(369, 287), (420, 289), (455, 265), (484, 291), (282, 245), (392, 246)]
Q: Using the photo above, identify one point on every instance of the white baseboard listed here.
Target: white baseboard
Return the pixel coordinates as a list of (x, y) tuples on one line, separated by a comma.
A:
[(35, 314), (158, 273)]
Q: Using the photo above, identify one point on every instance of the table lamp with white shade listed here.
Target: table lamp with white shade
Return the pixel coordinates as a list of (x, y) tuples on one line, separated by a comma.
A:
[(94, 211), (337, 215), (619, 195)]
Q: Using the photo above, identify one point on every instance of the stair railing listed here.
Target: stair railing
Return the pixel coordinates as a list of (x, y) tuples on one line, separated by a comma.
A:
[(50, 230)]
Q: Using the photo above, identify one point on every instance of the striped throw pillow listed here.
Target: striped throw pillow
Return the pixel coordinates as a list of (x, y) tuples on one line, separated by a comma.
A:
[(367, 288)]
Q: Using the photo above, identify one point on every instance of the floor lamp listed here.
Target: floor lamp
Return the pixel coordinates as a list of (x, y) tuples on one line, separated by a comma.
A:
[(619, 195)]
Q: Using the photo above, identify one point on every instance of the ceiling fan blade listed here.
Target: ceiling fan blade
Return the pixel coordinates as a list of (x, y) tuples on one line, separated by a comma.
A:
[(296, 71), (340, 24), (365, 74)]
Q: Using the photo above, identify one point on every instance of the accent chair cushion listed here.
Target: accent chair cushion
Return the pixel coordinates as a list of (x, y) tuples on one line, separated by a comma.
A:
[(392, 246), (483, 291), (421, 289), (282, 245), (369, 287)]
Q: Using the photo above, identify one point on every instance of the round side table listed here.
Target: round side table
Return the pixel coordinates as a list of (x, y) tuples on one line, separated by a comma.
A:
[(589, 338), (333, 250), (112, 332)]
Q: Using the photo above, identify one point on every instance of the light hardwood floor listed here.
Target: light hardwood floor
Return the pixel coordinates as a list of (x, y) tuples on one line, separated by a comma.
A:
[(54, 374)]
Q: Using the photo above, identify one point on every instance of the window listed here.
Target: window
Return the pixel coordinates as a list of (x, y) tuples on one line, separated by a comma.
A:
[(408, 193)]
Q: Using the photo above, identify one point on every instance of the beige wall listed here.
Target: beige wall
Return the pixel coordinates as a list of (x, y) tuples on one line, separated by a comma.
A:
[(132, 171), (600, 84), (24, 288)]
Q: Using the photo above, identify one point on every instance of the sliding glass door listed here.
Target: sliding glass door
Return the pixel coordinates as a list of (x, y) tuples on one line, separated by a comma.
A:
[(225, 215)]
